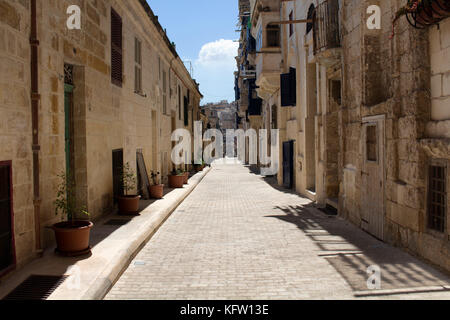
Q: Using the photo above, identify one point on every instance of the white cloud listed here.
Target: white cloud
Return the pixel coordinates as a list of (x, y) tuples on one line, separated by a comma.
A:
[(220, 52), (214, 70)]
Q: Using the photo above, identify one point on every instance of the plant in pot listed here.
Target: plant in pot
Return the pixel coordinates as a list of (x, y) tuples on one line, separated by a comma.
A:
[(186, 176), (177, 178), (198, 167), (128, 203), (156, 190), (72, 235)]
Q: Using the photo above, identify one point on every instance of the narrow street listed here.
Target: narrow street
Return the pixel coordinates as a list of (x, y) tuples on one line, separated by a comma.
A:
[(239, 237)]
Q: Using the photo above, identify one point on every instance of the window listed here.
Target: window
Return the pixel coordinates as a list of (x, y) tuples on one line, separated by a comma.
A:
[(289, 88), (170, 83), (179, 103), (186, 112), (259, 40), (273, 36), (116, 49), (291, 26), (274, 117), (159, 67), (437, 197), (311, 14), (371, 143), (164, 89), (137, 66), (336, 91)]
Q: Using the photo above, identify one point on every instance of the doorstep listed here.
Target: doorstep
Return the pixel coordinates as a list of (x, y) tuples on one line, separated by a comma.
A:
[(115, 245)]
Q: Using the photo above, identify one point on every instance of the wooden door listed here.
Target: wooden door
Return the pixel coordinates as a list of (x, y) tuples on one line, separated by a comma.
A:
[(372, 176), (117, 173), (6, 222), (288, 164)]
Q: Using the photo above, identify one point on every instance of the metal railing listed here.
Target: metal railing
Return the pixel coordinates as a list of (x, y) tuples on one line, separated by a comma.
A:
[(326, 26)]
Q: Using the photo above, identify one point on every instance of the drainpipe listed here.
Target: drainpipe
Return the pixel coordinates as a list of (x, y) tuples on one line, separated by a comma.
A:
[(35, 98)]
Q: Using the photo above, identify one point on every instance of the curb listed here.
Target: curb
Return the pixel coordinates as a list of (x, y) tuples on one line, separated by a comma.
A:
[(103, 283)]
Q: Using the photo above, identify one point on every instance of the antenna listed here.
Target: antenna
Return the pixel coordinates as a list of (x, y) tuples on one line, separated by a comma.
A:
[(190, 68)]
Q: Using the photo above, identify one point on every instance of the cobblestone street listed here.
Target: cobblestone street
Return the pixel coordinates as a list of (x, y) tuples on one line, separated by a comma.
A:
[(238, 237)]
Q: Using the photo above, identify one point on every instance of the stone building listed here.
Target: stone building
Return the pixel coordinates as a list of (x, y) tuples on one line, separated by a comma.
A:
[(95, 98), (363, 117)]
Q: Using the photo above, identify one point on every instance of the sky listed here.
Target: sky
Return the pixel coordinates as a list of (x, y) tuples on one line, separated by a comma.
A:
[(203, 31)]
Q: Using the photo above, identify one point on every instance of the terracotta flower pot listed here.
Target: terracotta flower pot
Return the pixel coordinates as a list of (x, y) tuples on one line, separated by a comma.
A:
[(176, 181), (156, 191), (186, 177), (129, 204), (72, 238)]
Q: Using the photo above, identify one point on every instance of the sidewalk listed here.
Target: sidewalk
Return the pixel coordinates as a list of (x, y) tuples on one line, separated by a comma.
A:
[(115, 241)]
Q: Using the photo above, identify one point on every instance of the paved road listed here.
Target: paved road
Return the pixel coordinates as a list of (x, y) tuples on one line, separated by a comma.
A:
[(237, 236)]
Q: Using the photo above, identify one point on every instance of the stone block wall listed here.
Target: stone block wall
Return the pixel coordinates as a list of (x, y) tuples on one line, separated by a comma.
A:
[(391, 79), (15, 118), (106, 117)]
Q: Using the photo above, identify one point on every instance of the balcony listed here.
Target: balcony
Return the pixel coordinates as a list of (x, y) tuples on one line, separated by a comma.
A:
[(327, 39)]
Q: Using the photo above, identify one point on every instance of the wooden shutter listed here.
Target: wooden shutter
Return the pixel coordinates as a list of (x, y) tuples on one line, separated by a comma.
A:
[(138, 66), (116, 49), (293, 86), (186, 111), (288, 83), (285, 90)]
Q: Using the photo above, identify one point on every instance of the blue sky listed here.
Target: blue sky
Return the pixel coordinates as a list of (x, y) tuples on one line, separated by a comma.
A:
[(203, 31)]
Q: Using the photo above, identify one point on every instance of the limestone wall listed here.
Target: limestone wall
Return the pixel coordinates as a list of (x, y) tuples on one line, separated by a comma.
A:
[(15, 118), (440, 80), (106, 117)]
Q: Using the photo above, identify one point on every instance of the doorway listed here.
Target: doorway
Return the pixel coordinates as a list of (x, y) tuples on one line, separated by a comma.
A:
[(288, 164), (372, 175), (310, 128), (154, 142), (7, 254), (69, 130), (117, 174)]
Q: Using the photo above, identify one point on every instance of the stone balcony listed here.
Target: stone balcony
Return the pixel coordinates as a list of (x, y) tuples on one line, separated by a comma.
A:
[(268, 66)]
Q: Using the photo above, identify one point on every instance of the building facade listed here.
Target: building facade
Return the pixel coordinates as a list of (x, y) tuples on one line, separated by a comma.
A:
[(96, 98), (363, 116)]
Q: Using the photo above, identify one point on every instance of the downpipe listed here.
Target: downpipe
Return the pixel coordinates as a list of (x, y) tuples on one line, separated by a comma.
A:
[(35, 98)]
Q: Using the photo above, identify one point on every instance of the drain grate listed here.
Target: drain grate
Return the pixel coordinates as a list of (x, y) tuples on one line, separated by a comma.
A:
[(36, 287), (117, 222)]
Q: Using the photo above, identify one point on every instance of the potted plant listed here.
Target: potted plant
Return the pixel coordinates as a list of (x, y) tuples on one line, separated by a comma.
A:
[(198, 167), (72, 236), (177, 178), (156, 190), (186, 177), (128, 203)]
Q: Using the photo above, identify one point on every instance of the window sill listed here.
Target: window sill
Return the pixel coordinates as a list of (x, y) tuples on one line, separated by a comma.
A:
[(443, 236), (140, 93)]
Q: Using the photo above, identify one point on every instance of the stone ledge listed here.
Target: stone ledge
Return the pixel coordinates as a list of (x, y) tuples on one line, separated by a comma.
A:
[(436, 148)]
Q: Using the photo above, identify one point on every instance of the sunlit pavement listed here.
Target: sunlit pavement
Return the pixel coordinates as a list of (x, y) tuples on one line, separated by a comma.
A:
[(237, 236)]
